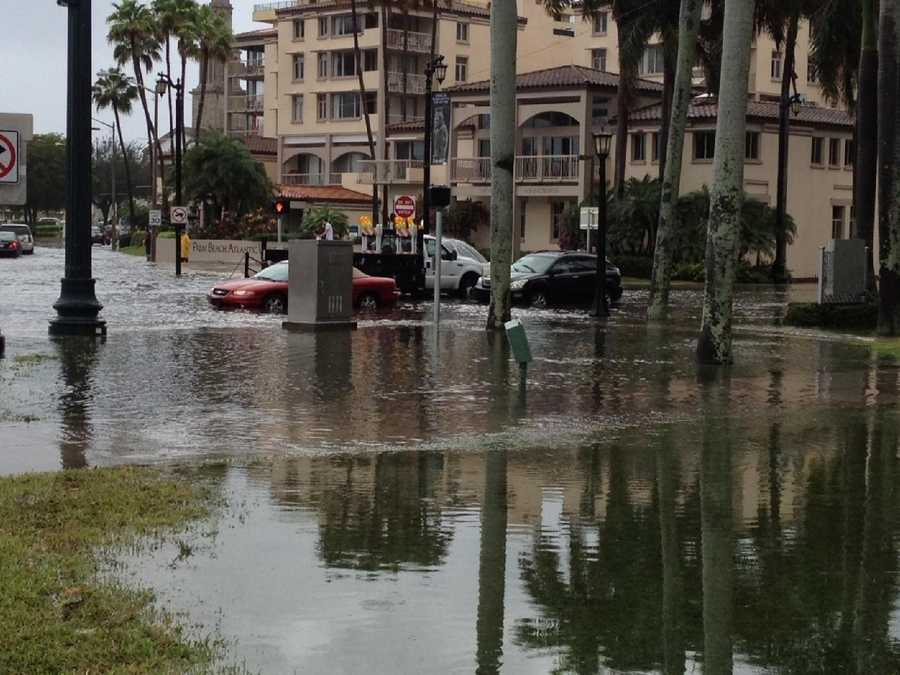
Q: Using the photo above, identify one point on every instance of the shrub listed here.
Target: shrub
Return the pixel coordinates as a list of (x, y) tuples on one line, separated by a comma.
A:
[(689, 272), (846, 317), (636, 266), (138, 238), (314, 222)]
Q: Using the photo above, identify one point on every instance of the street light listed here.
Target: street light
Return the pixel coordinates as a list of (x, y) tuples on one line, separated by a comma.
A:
[(602, 142), (162, 83), (435, 69)]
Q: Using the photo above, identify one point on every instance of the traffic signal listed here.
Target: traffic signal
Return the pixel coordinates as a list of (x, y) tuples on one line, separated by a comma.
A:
[(281, 207)]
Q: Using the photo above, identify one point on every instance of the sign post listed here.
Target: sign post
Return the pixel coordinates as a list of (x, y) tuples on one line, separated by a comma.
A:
[(178, 216), (15, 132)]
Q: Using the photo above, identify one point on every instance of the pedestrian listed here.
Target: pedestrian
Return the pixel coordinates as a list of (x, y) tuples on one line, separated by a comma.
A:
[(329, 232)]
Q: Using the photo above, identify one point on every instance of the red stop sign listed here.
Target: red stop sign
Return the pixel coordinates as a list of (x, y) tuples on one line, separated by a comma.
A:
[(405, 206)]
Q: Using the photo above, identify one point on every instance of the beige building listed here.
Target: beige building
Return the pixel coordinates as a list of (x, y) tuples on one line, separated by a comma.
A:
[(295, 83)]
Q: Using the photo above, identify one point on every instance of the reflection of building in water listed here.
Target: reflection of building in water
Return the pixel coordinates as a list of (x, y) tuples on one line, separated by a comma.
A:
[(77, 358)]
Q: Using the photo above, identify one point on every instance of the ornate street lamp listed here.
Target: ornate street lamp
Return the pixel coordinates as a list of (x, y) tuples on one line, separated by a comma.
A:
[(162, 83), (602, 142)]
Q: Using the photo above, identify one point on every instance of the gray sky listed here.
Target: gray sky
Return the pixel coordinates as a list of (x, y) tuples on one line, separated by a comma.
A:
[(34, 77)]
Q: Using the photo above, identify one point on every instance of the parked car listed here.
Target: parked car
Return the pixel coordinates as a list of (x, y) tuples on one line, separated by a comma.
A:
[(100, 235), (268, 291), (9, 245), (23, 234), (555, 278), (461, 265)]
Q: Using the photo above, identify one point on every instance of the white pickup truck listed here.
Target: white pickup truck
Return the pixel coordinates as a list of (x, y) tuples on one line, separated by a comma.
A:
[(461, 265)]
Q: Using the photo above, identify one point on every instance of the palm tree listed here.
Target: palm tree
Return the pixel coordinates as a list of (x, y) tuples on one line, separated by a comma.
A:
[(357, 57), (166, 13), (132, 34), (727, 194), (188, 47), (504, 28), (688, 27), (214, 39), (114, 89)]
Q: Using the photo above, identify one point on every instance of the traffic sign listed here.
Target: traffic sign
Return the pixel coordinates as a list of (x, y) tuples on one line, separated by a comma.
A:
[(590, 217), (178, 215), (9, 156), (155, 218), (405, 206)]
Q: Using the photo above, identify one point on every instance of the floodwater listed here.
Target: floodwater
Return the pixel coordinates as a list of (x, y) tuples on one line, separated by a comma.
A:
[(396, 503)]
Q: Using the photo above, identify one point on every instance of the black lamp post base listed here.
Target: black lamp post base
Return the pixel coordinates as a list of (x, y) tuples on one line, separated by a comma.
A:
[(77, 310), (599, 311)]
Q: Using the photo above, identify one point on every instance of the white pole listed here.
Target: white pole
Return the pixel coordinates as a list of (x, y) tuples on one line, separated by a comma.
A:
[(280, 218), (590, 222), (438, 235)]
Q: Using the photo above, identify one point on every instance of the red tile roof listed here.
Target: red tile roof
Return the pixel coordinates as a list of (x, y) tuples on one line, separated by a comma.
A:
[(560, 77), (259, 145), (708, 109), (324, 193), (257, 34), (408, 126)]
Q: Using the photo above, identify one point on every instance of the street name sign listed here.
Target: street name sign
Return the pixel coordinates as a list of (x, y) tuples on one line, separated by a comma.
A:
[(178, 215), (590, 215), (15, 133)]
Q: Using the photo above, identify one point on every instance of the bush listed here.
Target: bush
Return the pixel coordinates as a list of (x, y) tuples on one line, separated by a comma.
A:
[(637, 266), (844, 317), (314, 222), (138, 238), (689, 272)]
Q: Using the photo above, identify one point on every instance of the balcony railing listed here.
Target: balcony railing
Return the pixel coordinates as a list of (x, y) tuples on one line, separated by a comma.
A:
[(246, 103), (381, 171), (242, 69), (244, 133), (273, 6), (415, 42), (311, 178), (530, 169), (415, 84)]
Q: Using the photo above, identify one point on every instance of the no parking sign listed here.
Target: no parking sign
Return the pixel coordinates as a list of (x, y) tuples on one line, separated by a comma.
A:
[(9, 156), (15, 133)]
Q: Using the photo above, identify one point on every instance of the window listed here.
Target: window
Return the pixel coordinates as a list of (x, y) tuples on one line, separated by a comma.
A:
[(297, 109), (654, 146), (652, 60), (484, 147), (462, 68), (812, 71), (834, 152), (345, 106), (322, 71), (343, 64), (704, 145), (371, 21), (560, 145), (414, 150), (371, 100), (849, 153), (255, 57), (557, 213), (600, 109), (299, 67), (837, 222), (462, 32), (601, 23), (342, 25), (598, 59), (370, 60), (817, 144), (775, 67), (530, 146), (322, 106), (638, 151), (299, 29), (323, 26), (752, 146), (853, 233)]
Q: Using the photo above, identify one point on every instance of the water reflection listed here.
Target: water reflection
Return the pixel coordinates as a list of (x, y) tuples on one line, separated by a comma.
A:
[(77, 358), (492, 565)]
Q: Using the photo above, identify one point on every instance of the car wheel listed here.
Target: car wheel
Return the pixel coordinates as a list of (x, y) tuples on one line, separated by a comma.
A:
[(275, 304), (368, 302), (615, 293), (467, 283), (538, 298)]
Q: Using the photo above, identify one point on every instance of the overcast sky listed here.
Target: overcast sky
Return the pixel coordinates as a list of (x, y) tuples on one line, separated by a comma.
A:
[(34, 73)]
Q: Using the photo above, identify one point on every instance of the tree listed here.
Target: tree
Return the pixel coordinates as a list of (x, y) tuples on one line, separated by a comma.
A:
[(214, 39), (46, 177), (166, 14), (465, 216), (114, 89), (314, 222), (504, 28), (220, 172), (133, 36), (688, 28), (357, 58), (726, 197), (186, 30)]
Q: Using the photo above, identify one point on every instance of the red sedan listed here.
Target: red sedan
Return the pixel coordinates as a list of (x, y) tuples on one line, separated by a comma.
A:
[(268, 291)]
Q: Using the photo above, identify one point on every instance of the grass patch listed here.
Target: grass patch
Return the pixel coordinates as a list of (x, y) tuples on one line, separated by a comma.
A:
[(32, 359), (887, 348), (55, 614), (133, 250), (857, 317)]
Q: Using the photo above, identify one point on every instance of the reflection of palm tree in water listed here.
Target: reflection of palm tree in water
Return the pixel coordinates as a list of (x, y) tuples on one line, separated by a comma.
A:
[(77, 357), (492, 564)]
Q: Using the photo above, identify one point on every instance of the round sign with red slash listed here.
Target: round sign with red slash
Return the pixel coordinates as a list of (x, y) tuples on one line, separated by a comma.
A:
[(8, 158)]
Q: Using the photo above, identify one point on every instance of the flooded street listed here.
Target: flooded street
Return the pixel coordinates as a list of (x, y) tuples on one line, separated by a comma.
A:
[(394, 503)]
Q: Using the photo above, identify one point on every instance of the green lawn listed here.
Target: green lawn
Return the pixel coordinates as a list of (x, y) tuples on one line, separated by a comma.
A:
[(55, 614), (133, 250)]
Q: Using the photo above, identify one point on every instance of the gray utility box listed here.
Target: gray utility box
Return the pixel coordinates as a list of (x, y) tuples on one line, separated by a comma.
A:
[(320, 285), (842, 271)]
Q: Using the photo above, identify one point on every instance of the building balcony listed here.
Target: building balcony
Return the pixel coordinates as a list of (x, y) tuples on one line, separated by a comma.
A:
[(245, 70), (250, 104), (415, 84), (390, 171), (245, 133), (311, 178), (528, 169), (419, 43)]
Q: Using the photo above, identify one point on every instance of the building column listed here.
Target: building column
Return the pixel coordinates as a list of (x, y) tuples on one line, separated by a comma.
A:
[(586, 149)]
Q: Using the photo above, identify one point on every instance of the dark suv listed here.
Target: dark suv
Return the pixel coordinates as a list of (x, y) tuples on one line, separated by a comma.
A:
[(555, 278)]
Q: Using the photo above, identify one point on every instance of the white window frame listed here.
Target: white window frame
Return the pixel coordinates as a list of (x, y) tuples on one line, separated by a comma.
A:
[(776, 66), (462, 32), (297, 109), (462, 69), (301, 60), (301, 24), (598, 54), (600, 24), (708, 149), (638, 147), (322, 106), (753, 144)]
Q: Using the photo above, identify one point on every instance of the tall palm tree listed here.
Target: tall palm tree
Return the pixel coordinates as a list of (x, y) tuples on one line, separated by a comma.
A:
[(188, 46), (727, 194), (357, 57), (132, 33), (114, 89), (214, 40), (167, 17)]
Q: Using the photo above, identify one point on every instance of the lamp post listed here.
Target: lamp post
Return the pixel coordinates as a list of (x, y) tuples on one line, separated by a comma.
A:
[(435, 69), (787, 104), (77, 308), (112, 169), (162, 82), (602, 141)]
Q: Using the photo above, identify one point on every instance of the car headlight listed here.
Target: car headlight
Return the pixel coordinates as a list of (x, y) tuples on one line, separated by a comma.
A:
[(243, 293), (518, 284)]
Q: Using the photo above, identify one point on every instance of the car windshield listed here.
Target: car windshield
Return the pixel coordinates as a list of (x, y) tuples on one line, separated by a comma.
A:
[(357, 274), (276, 272), (7, 236), (463, 249), (20, 230), (533, 264)]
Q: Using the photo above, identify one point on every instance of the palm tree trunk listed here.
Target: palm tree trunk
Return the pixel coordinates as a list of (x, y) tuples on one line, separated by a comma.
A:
[(204, 72), (660, 281), (779, 265), (152, 131), (727, 194), (888, 241), (169, 72), (866, 170), (504, 28), (670, 65), (127, 166), (183, 97), (357, 56)]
